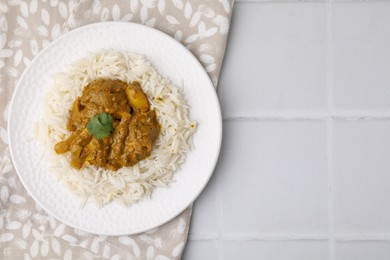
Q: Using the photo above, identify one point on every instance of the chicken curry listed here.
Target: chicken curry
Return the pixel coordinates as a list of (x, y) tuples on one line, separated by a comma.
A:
[(111, 124)]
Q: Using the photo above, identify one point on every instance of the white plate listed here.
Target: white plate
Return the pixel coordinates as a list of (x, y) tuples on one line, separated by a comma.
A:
[(171, 60)]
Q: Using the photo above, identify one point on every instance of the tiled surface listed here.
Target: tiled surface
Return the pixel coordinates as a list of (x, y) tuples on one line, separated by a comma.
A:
[(361, 37), (362, 176), (201, 250), (275, 197), (204, 218), (304, 171), (281, 250), (359, 250), (283, 60)]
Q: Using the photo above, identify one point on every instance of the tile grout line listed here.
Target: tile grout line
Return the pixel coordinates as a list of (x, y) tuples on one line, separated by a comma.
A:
[(329, 155), (219, 208), (309, 117), (287, 237), (329, 128), (285, 1), (305, 1), (257, 237)]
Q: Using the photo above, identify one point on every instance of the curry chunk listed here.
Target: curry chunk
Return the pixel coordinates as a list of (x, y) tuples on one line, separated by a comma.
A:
[(135, 126), (136, 96)]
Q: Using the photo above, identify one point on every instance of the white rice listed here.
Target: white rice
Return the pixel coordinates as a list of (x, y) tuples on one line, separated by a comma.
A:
[(128, 184)]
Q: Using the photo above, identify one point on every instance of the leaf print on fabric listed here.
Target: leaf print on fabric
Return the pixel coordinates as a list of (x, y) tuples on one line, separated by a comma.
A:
[(150, 253), (53, 3), (22, 214), (95, 245), (16, 199), (5, 53), (206, 11), (192, 38), (20, 243), (178, 35), (84, 244), (34, 47), (45, 43), (68, 255), (55, 32), (97, 6), (158, 242), (59, 230), (3, 8), (52, 222), (151, 22), (116, 13), (45, 16), (104, 15), (26, 257), (4, 193), (211, 67), (71, 239), (42, 31), (106, 251), (188, 10), (12, 225), (45, 248), (3, 135), (178, 249), (27, 229), (8, 167), (24, 9), (134, 5), (205, 58), (5, 237), (226, 5), (63, 9), (144, 14), (18, 57), (36, 234), (115, 257), (12, 72), (161, 6), (80, 232), (172, 20), (22, 23), (34, 248), (3, 39), (178, 4), (195, 18), (127, 18), (3, 23), (26, 61), (33, 6), (148, 3), (203, 32), (55, 245), (130, 242), (181, 226), (222, 22)]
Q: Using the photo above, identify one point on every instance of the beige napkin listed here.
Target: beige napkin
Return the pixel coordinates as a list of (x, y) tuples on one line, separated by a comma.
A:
[(27, 231)]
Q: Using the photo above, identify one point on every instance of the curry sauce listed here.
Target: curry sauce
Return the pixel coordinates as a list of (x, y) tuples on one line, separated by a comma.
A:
[(135, 126)]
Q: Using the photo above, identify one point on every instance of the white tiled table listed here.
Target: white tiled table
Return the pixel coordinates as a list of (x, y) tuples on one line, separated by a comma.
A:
[(304, 171)]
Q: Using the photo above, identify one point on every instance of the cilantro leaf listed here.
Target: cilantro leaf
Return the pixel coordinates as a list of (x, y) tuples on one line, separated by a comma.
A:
[(100, 125)]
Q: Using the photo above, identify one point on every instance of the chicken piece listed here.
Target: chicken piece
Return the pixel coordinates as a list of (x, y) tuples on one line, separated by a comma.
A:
[(136, 96)]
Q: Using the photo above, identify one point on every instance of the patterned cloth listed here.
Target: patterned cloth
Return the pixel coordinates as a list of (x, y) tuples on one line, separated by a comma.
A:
[(27, 231)]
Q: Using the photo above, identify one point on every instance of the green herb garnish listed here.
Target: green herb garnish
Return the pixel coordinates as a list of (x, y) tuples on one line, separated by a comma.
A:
[(100, 125)]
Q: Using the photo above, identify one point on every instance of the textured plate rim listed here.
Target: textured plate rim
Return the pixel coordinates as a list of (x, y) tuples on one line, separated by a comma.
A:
[(191, 59)]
